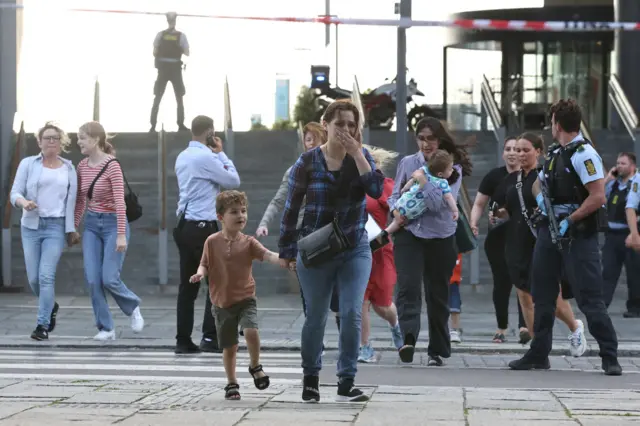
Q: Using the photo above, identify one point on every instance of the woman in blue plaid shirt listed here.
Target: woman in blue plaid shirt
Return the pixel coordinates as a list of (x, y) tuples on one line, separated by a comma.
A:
[(334, 178)]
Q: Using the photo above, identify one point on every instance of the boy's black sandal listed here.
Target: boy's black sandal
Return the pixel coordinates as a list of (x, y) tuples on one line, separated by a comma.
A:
[(261, 382), (232, 391)]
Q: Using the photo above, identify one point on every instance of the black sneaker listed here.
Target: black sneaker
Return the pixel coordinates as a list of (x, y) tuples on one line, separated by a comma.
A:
[(311, 389), (611, 367), (52, 320), (347, 392), (40, 333), (187, 348), (209, 345), (525, 363), (435, 361)]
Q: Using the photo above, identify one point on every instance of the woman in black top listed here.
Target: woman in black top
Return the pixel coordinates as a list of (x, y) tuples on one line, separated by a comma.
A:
[(492, 191), (521, 239)]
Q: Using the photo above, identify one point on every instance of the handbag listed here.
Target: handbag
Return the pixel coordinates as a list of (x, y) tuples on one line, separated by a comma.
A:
[(465, 240), (322, 245), (325, 243), (134, 209)]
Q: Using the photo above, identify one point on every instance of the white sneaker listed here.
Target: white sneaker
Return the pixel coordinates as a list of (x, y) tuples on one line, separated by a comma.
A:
[(454, 336), (577, 341), (137, 322), (105, 335)]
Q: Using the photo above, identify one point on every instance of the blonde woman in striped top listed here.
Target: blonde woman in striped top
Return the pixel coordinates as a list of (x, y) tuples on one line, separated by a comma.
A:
[(106, 230)]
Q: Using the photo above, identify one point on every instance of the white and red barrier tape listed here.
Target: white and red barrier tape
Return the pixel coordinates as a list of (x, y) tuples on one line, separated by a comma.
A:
[(469, 24)]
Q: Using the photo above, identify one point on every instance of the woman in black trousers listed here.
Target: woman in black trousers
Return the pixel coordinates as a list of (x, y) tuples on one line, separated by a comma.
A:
[(492, 191), (424, 249)]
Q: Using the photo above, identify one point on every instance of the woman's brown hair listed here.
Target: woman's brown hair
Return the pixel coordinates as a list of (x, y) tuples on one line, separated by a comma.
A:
[(95, 130), (536, 140), (341, 105), (447, 143)]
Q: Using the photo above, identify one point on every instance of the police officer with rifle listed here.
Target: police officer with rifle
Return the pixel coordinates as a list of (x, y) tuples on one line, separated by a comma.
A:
[(620, 183), (570, 194), (168, 48)]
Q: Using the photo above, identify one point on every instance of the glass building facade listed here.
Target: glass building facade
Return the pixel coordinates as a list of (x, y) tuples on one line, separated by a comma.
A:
[(528, 71)]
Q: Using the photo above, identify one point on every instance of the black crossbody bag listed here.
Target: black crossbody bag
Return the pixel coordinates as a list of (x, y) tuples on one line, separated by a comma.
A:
[(134, 209), (325, 243)]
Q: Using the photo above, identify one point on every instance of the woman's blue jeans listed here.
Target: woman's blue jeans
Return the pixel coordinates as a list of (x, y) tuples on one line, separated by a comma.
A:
[(42, 250), (349, 272), (102, 267)]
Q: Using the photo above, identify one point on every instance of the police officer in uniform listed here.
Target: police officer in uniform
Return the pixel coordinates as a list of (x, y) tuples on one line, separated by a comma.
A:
[(619, 183), (574, 179), (168, 48)]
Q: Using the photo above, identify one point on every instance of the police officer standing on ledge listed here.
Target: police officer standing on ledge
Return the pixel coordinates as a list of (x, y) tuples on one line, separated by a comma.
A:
[(168, 48), (574, 180), (202, 170), (620, 181)]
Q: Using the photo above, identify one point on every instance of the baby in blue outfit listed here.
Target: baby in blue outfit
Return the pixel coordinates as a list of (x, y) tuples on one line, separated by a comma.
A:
[(411, 203)]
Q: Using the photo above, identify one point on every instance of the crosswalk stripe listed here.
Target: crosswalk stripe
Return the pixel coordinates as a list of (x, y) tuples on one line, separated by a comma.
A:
[(57, 364), (137, 367), (120, 378), (44, 352)]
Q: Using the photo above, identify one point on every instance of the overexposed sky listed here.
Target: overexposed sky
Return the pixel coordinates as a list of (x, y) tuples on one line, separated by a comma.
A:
[(63, 51)]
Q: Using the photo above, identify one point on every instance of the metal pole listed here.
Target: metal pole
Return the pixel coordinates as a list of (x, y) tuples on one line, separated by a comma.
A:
[(229, 143), (163, 249), (337, 74), (327, 27), (401, 82), (9, 40)]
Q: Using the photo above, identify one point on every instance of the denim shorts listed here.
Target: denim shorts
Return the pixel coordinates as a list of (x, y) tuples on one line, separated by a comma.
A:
[(455, 301)]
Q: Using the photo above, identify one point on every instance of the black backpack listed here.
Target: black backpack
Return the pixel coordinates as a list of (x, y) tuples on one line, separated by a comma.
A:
[(134, 209)]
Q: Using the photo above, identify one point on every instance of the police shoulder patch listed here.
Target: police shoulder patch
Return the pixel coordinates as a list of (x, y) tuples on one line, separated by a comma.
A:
[(591, 168), (635, 187)]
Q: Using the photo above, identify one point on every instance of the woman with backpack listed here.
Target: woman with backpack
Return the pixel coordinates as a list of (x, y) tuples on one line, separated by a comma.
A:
[(101, 193)]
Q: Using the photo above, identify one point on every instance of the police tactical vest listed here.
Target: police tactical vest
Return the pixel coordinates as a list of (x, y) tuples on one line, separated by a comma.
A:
[(565, 186), (169, 47), (617, 202)]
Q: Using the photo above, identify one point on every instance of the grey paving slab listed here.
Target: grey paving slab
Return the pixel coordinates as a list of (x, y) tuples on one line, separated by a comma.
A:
[(36, 390), (172, 418), (491, 415), (587, 420), (62, 414), (97, 397), (10, 408), (303, 416)]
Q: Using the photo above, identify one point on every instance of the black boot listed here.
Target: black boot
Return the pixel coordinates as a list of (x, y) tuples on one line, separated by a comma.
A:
[(311, 389)]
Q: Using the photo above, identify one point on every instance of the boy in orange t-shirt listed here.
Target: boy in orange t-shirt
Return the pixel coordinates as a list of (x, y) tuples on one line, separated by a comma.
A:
[(455, 302), (226, 261)]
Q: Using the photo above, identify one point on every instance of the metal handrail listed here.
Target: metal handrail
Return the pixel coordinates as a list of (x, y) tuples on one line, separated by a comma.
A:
[(490, 104), (586, 132), (623, 106)]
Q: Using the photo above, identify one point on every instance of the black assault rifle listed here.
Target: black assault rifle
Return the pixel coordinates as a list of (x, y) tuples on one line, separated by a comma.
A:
[(554, 229)]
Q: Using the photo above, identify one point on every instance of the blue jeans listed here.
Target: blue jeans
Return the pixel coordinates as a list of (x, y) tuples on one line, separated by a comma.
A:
[(349, 271), (42, 250), (102, 267)]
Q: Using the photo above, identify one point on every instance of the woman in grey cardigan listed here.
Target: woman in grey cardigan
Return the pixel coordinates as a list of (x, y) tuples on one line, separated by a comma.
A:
[(314, 135), (45, 189)]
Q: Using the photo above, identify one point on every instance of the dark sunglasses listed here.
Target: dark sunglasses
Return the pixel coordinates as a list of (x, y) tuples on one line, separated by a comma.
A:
[(430, 138)]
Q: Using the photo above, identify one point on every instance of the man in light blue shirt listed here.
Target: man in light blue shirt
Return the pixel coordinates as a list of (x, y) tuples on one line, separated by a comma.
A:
[(573, 179), (202, 170)]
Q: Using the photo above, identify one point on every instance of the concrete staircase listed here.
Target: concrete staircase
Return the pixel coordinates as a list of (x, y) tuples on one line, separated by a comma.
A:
[(261, 158)]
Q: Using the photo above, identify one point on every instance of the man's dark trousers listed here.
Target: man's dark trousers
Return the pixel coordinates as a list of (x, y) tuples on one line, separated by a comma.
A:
[(615, 254), (168, 73), (190, 239), (581, 261)]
